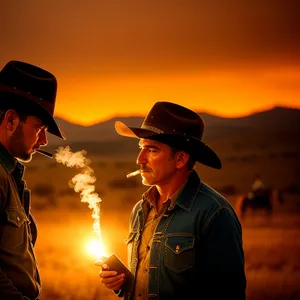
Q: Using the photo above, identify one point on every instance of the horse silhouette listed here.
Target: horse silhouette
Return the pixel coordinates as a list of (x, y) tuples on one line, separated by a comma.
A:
[(264, 201)]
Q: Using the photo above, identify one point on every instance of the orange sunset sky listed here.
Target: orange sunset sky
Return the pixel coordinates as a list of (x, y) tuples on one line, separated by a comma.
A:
[(113, 58)]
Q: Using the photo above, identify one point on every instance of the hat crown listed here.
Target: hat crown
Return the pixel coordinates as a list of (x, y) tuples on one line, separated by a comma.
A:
[(171, 118), (30, 89), (25, 78)]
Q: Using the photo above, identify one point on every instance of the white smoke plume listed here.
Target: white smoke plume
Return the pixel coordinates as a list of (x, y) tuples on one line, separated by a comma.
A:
[(84, 182)]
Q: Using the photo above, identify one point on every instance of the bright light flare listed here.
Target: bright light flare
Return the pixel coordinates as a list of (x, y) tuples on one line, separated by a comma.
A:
[(95, 248)]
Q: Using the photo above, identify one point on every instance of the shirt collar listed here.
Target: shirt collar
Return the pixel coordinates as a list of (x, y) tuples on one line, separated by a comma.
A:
[(184, 197), (10, 163), (151, 195)]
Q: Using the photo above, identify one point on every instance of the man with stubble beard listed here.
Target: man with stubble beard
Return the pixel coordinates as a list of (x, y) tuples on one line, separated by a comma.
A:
[(27, 101)]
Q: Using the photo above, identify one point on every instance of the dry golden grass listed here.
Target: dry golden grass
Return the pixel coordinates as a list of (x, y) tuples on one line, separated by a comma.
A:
[(67, 269), (68, 272)]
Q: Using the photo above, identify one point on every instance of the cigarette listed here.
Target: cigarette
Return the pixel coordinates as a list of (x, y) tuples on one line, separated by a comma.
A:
[(48, 154), (134, 173)]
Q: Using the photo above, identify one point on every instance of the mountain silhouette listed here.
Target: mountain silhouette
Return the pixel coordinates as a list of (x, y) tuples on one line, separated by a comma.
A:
[(278, 121)]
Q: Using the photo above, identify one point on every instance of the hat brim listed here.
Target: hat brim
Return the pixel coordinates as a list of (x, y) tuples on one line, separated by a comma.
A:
[(53, 127), (31, 107), (195, 147)]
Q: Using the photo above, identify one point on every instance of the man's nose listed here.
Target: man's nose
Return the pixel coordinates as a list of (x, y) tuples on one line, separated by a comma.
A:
[(141, 159)]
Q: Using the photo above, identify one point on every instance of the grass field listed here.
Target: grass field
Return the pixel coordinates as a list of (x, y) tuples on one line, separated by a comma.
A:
[(271, 253)]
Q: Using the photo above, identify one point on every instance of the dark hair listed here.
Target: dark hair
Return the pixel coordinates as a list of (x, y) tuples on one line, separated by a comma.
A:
[(190, 163)]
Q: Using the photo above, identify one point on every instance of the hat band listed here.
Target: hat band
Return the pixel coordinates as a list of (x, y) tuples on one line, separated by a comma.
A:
[(152, 128), (46, 105)]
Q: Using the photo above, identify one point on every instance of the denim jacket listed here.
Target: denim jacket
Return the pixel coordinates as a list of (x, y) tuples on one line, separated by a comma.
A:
[(19, 277), (196, 250)]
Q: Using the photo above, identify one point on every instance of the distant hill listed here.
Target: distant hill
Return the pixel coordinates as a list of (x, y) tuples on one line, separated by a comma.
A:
[(103, 131), (279, 120), (276, 120)]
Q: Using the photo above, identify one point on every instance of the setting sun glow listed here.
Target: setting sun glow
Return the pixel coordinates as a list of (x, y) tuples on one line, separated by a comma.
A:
[(227, 93)]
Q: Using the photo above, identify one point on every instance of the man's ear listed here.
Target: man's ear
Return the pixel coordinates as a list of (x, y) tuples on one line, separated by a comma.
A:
[(11, 119), (181, 159)]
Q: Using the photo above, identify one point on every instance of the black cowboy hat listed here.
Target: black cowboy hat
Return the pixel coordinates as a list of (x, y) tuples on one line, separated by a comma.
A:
[(176, 126), (31, 90)]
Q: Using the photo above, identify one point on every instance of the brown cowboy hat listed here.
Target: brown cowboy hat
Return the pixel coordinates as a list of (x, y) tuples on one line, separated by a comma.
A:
[(176, 126), (31, 90)]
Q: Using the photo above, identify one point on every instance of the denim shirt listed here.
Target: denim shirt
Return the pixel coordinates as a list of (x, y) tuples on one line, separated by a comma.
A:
[(197, 247), (19, 276)]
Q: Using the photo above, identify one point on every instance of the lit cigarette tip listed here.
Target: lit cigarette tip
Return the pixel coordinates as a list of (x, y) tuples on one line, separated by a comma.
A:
[(48, 154), (134, 173)]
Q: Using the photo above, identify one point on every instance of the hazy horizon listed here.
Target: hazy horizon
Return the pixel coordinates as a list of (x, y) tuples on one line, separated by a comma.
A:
[(200, 112)]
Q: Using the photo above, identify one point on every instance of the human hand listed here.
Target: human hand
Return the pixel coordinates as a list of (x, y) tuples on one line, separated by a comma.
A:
[(111, 279)]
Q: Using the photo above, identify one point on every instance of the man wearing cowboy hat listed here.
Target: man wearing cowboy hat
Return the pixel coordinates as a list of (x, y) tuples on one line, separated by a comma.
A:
[(27, 101), (185, 238)]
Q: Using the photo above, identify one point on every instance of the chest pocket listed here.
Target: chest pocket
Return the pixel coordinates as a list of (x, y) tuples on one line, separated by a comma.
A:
[(179, 252), (14, 231)]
